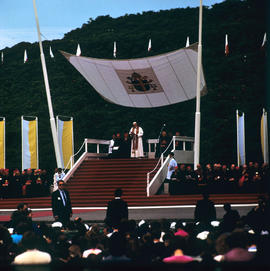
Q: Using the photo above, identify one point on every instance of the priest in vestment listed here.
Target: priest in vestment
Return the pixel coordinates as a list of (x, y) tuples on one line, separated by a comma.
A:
[(136, 134)]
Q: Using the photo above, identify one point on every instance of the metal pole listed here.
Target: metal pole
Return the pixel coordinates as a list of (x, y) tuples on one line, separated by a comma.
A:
[(147, 188), (237, 134), (46, 81), (22, 141), (265, 137), (198, 95), (86, 147), (72, 157), (37, 143), (4, 119), (244, 138)]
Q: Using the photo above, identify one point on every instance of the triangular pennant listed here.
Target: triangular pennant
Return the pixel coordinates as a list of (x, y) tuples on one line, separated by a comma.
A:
[(226, 45), (79, 52), (25, 58), (149, 45), (114, 49), (187, 42), (51, 53)]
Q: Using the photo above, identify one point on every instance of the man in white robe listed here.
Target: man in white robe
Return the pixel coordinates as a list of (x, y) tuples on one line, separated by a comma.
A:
[(136, 134)]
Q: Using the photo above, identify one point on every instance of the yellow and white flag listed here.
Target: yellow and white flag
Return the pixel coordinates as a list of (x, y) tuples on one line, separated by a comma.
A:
[(241, 148), (264, 137), (2, 143), (65, 139), (29, 143)]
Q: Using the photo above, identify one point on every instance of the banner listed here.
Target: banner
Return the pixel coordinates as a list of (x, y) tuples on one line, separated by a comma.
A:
[(241, 151), (65, 139), (264, 137), (2, 143), (143, 82), (29, 143)]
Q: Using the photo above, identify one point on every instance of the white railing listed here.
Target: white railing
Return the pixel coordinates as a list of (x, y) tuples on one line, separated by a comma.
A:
[(152, 147), (85, 155), (158, 174), (98, 142), (184, 155)]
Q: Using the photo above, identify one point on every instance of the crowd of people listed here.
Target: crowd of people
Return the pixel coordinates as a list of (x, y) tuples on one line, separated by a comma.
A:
[(26, 183), (201, 241), (218, 178)]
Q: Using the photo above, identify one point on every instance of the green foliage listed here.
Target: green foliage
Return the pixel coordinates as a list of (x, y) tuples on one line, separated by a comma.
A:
[(233, 82)]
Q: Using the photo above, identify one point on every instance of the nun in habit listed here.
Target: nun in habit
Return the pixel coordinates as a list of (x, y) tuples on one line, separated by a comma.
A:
[(136, 134)]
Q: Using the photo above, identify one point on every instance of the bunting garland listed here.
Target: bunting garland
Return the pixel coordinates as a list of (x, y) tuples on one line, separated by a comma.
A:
[(149, 48)]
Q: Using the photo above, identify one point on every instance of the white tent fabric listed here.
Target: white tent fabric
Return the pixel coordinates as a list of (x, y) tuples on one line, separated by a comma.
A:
[(144, 82)]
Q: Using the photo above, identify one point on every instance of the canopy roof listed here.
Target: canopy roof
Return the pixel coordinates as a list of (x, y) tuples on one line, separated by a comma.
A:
[(143, 82)]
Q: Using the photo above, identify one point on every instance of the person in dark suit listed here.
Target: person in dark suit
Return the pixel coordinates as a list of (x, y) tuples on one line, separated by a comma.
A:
[(205, 210), (61, 204), (117, 210)]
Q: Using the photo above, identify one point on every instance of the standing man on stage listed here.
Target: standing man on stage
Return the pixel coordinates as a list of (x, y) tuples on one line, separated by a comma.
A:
[(172, 168), (136, 134), (61, 204)]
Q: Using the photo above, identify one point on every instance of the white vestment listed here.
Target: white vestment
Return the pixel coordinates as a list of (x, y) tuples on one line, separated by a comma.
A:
[(136, 133)]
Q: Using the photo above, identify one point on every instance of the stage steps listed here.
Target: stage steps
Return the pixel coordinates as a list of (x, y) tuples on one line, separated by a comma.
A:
[(93, 185)]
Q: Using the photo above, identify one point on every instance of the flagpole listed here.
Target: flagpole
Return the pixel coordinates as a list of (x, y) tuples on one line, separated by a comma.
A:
[(265, 137), (198, 95), (37, 143), (46, 81), (237, 137), (22, 142)]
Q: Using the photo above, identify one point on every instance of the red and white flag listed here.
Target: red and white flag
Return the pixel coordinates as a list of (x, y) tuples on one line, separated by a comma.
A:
[(149, 45), (114, 49), (25, 58), (264, 41), (187, 42), (79, 52), (226, 45)]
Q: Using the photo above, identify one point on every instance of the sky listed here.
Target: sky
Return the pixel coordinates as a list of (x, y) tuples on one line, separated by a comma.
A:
[(57, 17)]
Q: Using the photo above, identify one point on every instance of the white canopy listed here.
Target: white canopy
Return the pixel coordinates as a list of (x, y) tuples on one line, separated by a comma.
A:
[(144, 82)]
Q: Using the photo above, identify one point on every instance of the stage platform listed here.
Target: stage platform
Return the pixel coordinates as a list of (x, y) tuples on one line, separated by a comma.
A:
[(183, 210)]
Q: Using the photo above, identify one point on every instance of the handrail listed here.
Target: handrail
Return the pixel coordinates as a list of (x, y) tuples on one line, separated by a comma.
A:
[(163, 163), (84, 155), (96, 141), (161, 167), (72, 156), (76, 165)]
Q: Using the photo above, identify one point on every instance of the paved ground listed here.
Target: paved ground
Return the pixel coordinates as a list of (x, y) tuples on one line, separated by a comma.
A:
[(147, 213)]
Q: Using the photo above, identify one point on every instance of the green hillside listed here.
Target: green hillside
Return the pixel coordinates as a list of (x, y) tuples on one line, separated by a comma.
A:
[(233, 82)]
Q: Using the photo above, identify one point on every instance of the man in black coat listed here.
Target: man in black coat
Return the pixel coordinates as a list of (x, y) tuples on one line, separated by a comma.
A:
[(117, 210), (205, 211), (61, 204)]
